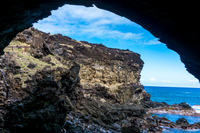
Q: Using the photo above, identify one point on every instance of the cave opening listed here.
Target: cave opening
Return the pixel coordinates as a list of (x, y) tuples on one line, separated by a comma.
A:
[(162, 66)]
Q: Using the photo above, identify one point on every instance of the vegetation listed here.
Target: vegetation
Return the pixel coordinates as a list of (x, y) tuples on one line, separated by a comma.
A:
[(23, 59)]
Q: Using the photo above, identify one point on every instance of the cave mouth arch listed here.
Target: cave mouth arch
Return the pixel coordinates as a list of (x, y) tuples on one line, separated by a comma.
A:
[(100, 26), (168, 25), (169, 21)]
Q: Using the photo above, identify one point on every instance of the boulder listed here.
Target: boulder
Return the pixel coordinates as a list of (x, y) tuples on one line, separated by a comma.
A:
[(182, 121)]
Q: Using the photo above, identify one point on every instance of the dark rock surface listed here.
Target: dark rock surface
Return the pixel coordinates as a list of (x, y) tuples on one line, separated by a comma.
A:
[(173, 22), (46, 107), (162, 107), (47, 96), (182, 121)]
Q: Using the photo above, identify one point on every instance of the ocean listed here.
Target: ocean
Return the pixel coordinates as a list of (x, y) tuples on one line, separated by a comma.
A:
[(172, 95)]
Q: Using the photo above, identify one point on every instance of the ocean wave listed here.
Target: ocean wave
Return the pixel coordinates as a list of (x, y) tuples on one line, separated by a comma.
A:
[(197, 108)]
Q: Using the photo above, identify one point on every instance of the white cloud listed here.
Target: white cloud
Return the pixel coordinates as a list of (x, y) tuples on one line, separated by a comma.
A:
[(152, 42), (152, 79), (91, 21), (166, 81), (90, 15), (194, 81), (93, 14)]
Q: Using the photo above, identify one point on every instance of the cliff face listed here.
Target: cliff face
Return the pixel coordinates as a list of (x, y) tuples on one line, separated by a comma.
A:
[(58, 84), (51, 76), (102, 69)]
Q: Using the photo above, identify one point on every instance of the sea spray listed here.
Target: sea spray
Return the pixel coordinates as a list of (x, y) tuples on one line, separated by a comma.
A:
[(197, 108)]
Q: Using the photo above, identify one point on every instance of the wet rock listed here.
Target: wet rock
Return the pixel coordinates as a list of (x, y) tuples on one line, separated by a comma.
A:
[(153, 124), (153, 129), (184, 105), (182, 121), (181, 109), (197, 125)]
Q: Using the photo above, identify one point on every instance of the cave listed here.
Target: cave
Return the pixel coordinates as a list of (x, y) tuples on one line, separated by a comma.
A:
[(169, 21)]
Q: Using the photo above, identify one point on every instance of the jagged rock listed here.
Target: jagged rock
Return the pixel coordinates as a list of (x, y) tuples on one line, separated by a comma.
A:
[(46, 107), (182, 121), (181, 109), (106, 96), (53, 98), (182, 105), (48, 92), (49, 103), (106, 74)]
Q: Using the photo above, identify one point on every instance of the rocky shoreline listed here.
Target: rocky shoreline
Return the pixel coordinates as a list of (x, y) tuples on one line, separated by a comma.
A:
[(180, 109), (143, 123), (63, 85), (173, 111)]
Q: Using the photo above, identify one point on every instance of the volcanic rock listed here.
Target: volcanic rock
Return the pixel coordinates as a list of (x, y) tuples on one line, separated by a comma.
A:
[(182, 121), (100, 91), (45, 108), (106, 74), (77, 87)]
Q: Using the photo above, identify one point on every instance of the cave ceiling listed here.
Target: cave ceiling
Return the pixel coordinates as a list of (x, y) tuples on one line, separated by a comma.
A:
[(176, 23)]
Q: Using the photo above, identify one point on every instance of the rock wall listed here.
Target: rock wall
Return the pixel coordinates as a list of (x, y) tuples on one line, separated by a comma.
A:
[(62, 85), (57, 76), (102, 69)]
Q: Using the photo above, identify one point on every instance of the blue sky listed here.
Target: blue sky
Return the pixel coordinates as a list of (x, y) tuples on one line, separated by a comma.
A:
[(162, 66)]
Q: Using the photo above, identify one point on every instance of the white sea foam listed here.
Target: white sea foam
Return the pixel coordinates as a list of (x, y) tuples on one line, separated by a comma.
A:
[(197, 108)]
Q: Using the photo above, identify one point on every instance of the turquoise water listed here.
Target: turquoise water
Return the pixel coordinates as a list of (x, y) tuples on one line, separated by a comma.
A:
[(173, 95), (174, 117)]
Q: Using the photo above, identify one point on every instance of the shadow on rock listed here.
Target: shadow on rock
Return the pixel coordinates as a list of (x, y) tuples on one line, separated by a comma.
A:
[(45, 109)]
